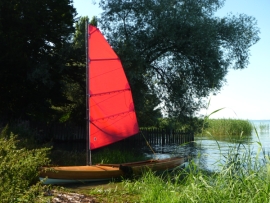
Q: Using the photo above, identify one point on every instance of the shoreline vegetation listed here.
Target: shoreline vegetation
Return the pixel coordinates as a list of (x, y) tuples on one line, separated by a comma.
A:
[(263, 127), (228, 127), (242, 177)]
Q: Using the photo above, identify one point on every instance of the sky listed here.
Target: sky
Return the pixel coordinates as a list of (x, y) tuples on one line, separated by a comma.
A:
[(246, 95)]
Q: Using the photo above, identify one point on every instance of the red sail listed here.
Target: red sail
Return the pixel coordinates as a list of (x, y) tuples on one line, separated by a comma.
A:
[(111, 109)]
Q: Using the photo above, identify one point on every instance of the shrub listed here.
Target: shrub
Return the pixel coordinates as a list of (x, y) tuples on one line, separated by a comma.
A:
[(19, 170)]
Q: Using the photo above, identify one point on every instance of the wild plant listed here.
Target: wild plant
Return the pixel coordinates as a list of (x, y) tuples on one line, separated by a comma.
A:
[(19, 170), (242, 176)]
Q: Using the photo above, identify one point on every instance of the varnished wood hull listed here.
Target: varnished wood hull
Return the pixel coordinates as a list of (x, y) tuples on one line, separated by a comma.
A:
[(106, 171)]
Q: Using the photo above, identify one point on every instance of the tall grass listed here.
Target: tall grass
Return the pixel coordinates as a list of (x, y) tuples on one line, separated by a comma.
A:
[(242, 177), (228, 127), (263, 127)]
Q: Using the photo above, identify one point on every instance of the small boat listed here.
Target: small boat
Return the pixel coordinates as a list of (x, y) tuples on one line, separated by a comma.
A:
[(110, 114), (103, 172)]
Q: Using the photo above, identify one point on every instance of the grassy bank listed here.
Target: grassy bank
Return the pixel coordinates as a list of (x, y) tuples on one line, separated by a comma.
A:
[(232, 127), (242, 177)]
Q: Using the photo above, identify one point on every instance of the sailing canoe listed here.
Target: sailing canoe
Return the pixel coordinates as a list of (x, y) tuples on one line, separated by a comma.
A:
[(101, 172), (111, 117)]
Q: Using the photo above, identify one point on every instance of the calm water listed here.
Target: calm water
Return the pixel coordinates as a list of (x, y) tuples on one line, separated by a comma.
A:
[(211, 151)]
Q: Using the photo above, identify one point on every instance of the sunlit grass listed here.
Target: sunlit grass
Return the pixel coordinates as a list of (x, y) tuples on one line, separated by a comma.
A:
[(231, 184), (232, 127), (243, 176)]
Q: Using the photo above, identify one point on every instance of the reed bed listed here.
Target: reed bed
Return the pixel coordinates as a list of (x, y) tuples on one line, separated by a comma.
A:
[(232, 127), (232, 184), (262, 127), (239, 180)]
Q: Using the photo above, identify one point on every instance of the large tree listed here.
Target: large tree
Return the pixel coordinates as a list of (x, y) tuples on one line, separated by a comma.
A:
[(76, 74), (33, 37), (177, 50)]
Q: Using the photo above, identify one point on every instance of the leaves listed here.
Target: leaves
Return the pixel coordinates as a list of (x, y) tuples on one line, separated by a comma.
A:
[(32, 37), (177, 50), (19, 170)]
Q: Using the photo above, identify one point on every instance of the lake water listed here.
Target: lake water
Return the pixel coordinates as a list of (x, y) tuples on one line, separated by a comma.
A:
[(213, 150)]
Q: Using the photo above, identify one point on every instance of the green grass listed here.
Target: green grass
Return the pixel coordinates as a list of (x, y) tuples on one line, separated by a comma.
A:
[(232, 127), (242, 177)]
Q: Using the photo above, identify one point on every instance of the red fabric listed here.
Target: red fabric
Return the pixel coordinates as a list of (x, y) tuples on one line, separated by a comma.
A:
[(112, 115)]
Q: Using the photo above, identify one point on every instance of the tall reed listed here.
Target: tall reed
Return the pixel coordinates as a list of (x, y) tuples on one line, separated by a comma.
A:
[(243, 176), (263, 127), (228, 127)]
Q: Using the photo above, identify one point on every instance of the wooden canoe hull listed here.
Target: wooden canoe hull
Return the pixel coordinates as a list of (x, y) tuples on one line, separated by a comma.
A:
[(158, 165), (106, 171), (81, 172)]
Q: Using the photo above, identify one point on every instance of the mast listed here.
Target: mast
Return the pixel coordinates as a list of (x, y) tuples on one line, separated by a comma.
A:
[(88, 150)]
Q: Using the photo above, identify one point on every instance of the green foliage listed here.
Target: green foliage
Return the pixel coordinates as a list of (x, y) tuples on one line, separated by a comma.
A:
[(33, 37), (178, 51), (146, 111), (79, 38), (242, 177), (94, 21), (75, 85), (185, 124), (227, 127), (19, 170)]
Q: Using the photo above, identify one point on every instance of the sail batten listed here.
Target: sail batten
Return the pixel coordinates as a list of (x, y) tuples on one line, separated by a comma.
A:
[(104, 59), (111, 92), (111, 108), (113, 116)]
